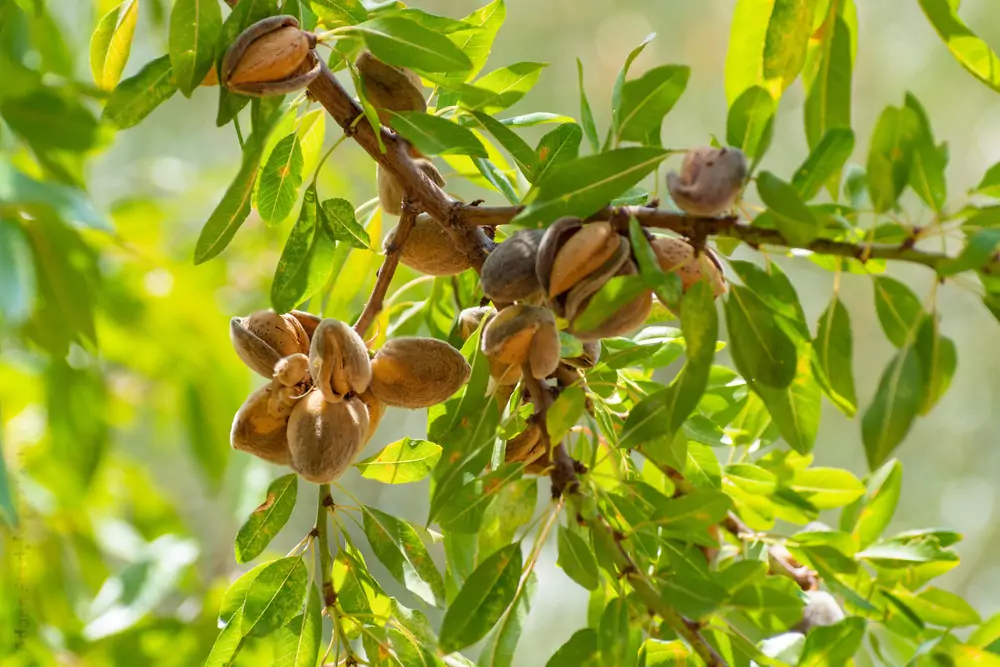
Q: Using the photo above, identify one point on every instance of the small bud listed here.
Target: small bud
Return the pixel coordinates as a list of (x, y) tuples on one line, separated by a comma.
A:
[(508, 273), (271, 57), (709, 182)]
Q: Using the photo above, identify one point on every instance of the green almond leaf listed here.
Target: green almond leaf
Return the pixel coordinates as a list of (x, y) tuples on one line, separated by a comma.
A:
[(337, 13), (398, 546), (969, 50), (897, 553), (48, 119), (195, 26), (929, 161), (752, 479), (979, 250), (306, 260), (269, 517), (580, 650), (827, 488), (833, 645), (235, 595), (519, 149), (614, 632), (297, 644), (440, 24), (280, 180), (648, 99), (890, 156), (615, 294), (513, 507), (750, 122), (70, 204), (557, 147), (17, 290), (274, 596), (745, 56), (666, 286), (619, 86), (484, 598), (879, 504), (899, 310), (8, 510), (501, 88), (776, 291), (111, 43), (834, 346), (795, 409), (763, 352), (989, 186), (785, 42), (827, 73), (537, 118), (897, 401), (582, 186), (691, 512), (565, 412), (401, 462), (586, 115), (499, 648), (938, 360), (403, 43), (339, 216), (227, 643), (825, 163), (496, 178), (793, 218), (137, 96), (434, 135), (987, 634), (243, 15), (936, 606), (477, 44), (577, 560), (234, 208)]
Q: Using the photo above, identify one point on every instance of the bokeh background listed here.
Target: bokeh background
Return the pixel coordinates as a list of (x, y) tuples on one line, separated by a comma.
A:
[(171, 382)]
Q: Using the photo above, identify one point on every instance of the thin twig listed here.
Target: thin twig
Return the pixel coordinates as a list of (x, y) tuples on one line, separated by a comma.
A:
[(563, 471), (374, 304), (325, 501), (780, 558)]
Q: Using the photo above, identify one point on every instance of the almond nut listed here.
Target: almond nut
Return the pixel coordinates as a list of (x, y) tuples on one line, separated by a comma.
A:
[(470, 319), (257, 430), (508, 274), (390, 88), (678, 256), (264, 337), (580, 255), (429, 249), (390, 193), (627, 318), (338, 361), (417, 372), (522, 334), (710, 180), (324, 438)]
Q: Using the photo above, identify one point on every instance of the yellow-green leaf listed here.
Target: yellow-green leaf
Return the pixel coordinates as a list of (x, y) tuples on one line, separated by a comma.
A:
[(111, 42)]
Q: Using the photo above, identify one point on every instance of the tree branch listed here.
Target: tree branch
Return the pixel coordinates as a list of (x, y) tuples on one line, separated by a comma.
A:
[(563, 472), (420, 189), (324, 502), (780, 558), (388, 269)]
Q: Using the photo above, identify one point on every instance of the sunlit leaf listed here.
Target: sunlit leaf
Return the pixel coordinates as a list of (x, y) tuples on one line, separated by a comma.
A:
[(614, 295), (619, 85), (269, 517), (498, 651), (890, 155), (899, 310), (792, 217), (556, 147), (501, 88), (973, 53), (939, 607), (577, 560), (938, 360), (833, 645), (336, 13), (879, 504), (929, 160), (834, 346), (339, 216), (111, 42), (137, 96), (519, 149), (750, 123), (586, 115), (477, 44), (825, 163), (298, 642), (648, 99), (194, 30), (401, 462), (827, 488), (762, 351), (828, 70), (280, 180)]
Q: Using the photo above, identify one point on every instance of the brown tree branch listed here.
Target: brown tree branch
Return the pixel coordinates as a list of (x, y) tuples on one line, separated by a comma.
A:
[(418, 187), (781, 560), (388, 269), (564, 467)]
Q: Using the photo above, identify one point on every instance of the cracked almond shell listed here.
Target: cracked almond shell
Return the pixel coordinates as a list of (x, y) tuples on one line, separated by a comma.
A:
[(338, 360), (264, 337), (324, 438), (522, 334), (390, 193), (271, 57), (258, 431), (678, 256), (710, 180), (417, 372), (390, 88), (580, 254), (627, 318)]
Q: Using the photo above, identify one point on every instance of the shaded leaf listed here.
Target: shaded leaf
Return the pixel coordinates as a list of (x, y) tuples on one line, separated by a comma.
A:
[(476, 45), (939, 607), (298, 642), (398, 546), (825, 163), (557, 147), (929, 161), (49, 119), (762, 351), (195, 26), (484, 598), (582, 186), (890, 155), (938, 361), (833, 645), (269, 517), (580, 650), (896, 404), (336, 13), (519, 149), (834, 346), (792, 217), (307, 259), (577, 560), (586, 115), (274, 596), (899, 310), (827, 73), (434, 135), (498, 651)]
